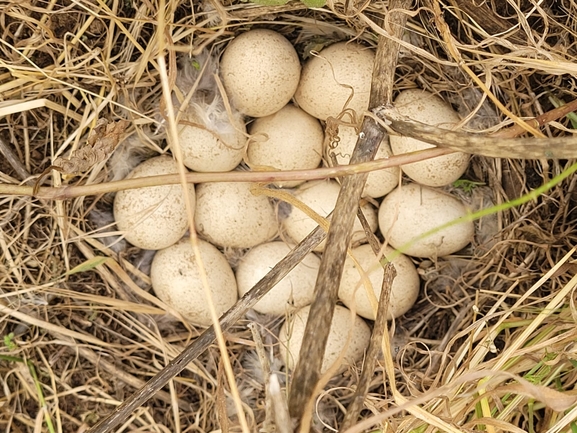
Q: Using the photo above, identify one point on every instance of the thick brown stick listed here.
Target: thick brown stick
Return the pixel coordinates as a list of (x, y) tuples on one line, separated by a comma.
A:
[(523, 148), (307, 371)]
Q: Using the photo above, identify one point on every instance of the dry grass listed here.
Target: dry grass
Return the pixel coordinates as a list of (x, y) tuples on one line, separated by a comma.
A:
[(490, 345)]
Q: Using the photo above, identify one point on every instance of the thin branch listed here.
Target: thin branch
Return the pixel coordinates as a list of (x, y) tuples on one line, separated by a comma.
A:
[(73, 191), (14, 162), (523, 148), (375, 345)]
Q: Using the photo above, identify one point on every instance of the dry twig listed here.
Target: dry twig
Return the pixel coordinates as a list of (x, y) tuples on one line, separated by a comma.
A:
[(307, 371)]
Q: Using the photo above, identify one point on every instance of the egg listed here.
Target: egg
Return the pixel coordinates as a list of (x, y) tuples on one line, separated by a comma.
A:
[(348, 333), (260, 70), (404, 290), (413, 210), (210, 141), (229, 215), (321, 196), (289, 139), (380, 182), (339, 72), (293, 291), (176, 280), (154, 217), (427, 108)]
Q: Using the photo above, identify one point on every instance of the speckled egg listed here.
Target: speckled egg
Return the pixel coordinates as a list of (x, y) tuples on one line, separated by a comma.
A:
[(210, 146), (380, 182), (293, 291), (176, 280), (329, 79), (321, 196), (154, 217), (260, 70), (348, 333), (289, 139), (412, 210), (229, 215), (353, 293), (427, 108)]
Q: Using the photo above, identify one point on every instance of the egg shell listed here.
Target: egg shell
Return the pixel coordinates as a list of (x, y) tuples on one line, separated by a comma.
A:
[(293, 291), (404, 291), (229, 215), (380, 182), (260, 70), (412, 210), (289, 139), (154, 217), (176, 280), (327, 79), (427, 108), (205, 150), (321, 196), (348, 332)]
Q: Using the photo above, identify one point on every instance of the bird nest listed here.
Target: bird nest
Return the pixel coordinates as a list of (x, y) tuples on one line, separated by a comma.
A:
[(490, 343)]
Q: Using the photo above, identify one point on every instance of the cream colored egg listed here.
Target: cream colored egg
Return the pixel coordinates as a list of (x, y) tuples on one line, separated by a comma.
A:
[(229, 215), (260, 70), (349, 334), (206, 150), (413, 210), (289, 139), (380, 182), (353, 293), (293, 291), (154, 217), (427, 108), (328, 80), (176, 280), (321, 196)]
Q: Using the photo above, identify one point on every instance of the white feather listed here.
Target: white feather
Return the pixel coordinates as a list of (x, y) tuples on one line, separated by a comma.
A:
[(103, 221), (131, 152), (206, 106), (214, 117)]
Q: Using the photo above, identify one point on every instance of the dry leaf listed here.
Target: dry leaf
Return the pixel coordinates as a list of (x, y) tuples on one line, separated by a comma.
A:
[(101, 142)]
